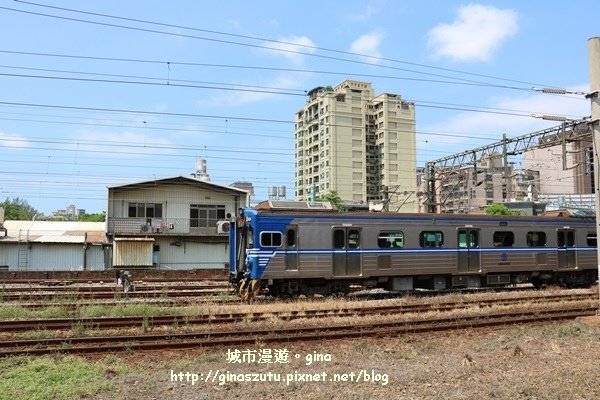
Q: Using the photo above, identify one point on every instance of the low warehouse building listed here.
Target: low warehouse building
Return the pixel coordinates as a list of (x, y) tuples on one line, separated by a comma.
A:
[(53, 246)]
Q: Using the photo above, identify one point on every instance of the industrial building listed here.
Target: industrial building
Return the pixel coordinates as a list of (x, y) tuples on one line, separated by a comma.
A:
[(171, 223), (355, 143), (168, 224), (53, 246)]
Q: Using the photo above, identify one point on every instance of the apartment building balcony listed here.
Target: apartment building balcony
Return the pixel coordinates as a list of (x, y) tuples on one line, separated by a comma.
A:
[(125, 226), (312, 117)]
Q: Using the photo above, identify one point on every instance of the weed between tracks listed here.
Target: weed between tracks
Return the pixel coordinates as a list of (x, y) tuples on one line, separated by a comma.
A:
[(556, 361), (335, 308)]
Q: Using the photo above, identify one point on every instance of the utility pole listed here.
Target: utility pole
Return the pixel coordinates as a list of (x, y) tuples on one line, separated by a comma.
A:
[(431, 194), (505, 162), (594, 65)]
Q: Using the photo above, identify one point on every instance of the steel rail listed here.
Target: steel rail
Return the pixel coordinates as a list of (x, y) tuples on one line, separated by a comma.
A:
[(105, 288), (114, 294), (271, 335), (228, 317)]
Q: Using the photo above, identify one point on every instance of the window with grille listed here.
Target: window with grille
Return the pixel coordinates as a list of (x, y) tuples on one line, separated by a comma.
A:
[(205, 216), (145, 210)]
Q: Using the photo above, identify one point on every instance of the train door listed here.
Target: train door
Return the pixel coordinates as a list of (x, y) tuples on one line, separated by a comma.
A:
[(291, 248), (347, 260), (469, 256), (565, 243)]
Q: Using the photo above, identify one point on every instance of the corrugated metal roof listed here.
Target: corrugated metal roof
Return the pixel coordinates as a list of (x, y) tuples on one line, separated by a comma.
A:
[(54, 232), (178, 179)]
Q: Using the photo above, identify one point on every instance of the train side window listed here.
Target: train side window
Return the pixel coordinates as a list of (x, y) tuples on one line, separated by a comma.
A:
[(270, 239), (462, 239), (431, 239), (291, 238), (339, 239), (536, 239), (353, 239), (393, 240), (592, 239), (504, 239), (570, 239), (468, 239)]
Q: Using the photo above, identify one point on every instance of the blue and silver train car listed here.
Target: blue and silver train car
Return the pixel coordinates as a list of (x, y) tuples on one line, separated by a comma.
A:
[(320, 251)]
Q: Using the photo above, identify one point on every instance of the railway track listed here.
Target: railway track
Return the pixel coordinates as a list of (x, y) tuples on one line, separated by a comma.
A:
[(111, 294), (156, 301), (229, 317), (114, 288), (274, 335), (70, 281)]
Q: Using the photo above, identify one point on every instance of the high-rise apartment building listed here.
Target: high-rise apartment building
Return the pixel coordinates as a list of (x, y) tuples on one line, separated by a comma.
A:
[(355, 143)]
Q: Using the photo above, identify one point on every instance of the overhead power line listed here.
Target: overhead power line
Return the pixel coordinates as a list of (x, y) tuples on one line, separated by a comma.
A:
[(161, 79), (456, 107), (269, 40), (278, 49), (63, 78), (161, 113), (250, 67)]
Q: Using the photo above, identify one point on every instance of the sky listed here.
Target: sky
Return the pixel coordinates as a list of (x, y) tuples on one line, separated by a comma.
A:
[(103, 93)]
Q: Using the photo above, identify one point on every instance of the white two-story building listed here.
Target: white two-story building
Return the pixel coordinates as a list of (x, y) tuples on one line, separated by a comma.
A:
[(171, 223)]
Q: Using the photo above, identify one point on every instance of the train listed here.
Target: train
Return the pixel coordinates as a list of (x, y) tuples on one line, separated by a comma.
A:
[(293, 248)]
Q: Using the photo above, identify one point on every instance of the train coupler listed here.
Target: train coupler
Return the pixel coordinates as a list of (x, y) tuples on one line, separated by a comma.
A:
[(249, 289)]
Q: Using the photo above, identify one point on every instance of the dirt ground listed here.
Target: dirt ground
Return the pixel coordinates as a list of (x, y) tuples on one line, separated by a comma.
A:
[(552, 361)]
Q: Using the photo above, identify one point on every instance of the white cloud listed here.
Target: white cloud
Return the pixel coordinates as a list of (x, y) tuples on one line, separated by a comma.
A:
[(13, 141), (368, 45), (291, 47), (476, 33), (367, 14)]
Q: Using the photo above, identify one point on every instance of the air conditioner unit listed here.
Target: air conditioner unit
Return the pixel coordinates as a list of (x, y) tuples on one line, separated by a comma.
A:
[(223, 227)]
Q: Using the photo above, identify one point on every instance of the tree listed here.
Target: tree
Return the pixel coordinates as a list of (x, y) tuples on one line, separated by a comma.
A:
[(18, 209), (333, 197), (94, 217), (501, 209)]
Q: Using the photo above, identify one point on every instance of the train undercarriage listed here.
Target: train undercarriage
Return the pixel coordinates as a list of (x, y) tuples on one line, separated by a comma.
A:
[(249, 289)]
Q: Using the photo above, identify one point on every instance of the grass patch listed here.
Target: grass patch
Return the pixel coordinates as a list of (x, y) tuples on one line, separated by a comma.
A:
[(12, 312), (567, 331), (19, 312), (125, 310), (61, 378), (37, 334)]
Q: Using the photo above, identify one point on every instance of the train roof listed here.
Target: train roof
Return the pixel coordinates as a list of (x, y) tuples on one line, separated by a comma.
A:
[(307, 208), (291, 205), (422, 216)]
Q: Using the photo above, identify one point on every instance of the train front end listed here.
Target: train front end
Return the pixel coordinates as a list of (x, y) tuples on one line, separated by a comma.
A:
[(244, 268)]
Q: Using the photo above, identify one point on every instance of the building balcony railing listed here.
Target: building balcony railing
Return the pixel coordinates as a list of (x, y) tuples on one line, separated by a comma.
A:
[(162, 227)]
